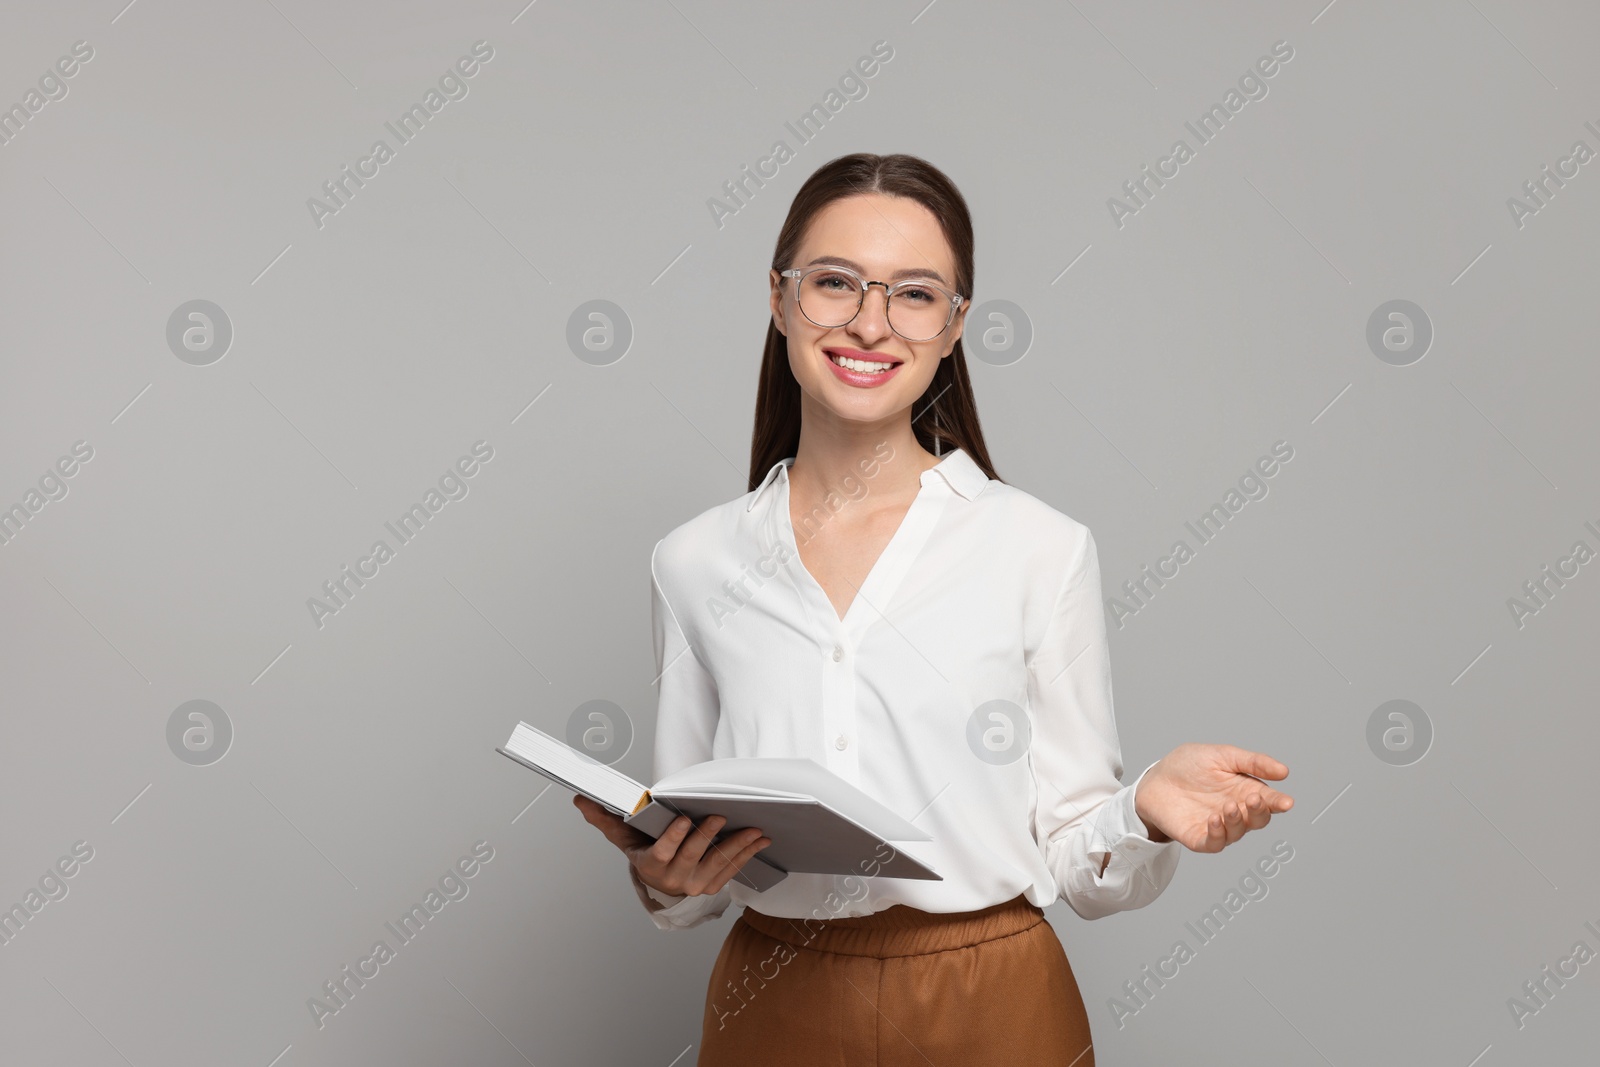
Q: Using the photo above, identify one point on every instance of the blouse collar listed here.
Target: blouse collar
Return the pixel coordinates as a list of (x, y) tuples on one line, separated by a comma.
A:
[(956, 467)]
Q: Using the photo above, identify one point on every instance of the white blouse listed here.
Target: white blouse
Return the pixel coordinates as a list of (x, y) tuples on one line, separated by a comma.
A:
[(968, 688)]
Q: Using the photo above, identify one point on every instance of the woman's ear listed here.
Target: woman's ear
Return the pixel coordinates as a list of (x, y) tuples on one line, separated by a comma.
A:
[(776, 300), (957, 327)]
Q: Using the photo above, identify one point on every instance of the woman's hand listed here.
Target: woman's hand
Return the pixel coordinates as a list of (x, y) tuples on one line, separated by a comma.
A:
[(1206, 797), (682, 861)]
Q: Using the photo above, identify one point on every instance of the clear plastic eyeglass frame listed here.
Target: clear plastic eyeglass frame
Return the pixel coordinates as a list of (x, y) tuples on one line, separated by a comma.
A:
[(956, 300)]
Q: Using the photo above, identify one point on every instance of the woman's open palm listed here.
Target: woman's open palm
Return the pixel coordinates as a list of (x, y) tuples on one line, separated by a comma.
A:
[(1208, 796)]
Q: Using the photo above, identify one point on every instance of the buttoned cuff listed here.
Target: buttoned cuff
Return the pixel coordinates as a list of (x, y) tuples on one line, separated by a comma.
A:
[(1118, 828)]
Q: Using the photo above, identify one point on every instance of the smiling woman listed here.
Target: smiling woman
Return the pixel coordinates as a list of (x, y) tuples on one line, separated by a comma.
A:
[(940, 644)]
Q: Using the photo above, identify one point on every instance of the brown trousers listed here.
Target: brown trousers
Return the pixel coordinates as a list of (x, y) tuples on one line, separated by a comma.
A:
[(898, 988)]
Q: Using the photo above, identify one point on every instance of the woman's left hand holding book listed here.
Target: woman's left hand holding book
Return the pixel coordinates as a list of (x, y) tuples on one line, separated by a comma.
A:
[(683, 861)]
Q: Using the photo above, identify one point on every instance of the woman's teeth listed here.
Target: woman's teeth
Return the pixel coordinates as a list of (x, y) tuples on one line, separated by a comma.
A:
[(860, 365)]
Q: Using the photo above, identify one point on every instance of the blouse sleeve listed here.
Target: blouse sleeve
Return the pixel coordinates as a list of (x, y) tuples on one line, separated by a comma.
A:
[(687, 711), (1083, 811)]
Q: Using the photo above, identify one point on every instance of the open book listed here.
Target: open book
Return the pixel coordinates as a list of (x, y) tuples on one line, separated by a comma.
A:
[(818, 822)]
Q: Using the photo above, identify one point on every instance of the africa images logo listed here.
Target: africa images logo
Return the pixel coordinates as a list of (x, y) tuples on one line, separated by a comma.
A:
[(452, 886), (341, 189), (453, 485)]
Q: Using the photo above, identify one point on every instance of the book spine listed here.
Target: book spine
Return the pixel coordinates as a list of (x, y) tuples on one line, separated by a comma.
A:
[(653, 818)]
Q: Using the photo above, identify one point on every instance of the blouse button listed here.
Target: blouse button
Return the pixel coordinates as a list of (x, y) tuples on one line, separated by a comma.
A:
[(838, 654), (840, 742)]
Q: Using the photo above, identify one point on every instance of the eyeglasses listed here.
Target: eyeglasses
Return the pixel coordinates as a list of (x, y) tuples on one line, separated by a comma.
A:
[(831, 297)]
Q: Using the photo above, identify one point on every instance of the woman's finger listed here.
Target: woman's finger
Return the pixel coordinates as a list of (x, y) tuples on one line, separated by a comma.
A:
[(696, 841), (617, 832), (742, 857), (726, 853), (1232, 814), (591, 811), (669, 844), (1256, 764), (1234, 820), (1269, 802), (1257, 812), (1216, 834)]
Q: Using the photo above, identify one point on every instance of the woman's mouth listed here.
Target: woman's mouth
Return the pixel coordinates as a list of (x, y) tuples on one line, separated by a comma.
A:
[(861, 372)]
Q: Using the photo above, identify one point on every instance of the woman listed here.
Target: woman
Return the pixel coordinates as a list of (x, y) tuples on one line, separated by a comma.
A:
[(934, 636)]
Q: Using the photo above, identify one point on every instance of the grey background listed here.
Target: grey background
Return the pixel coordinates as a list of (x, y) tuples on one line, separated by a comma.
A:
[(431, 312)]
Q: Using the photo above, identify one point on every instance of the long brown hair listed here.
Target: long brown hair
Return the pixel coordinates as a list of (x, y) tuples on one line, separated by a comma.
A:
[(946, 415)]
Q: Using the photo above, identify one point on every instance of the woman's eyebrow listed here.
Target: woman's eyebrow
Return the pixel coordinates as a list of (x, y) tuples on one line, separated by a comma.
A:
[(896, 276)]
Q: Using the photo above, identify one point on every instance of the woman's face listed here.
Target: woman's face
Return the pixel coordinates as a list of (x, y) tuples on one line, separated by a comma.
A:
[(880, 237)]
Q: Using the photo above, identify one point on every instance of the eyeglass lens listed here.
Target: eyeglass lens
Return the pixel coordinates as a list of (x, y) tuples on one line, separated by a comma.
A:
[(831, 298)]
